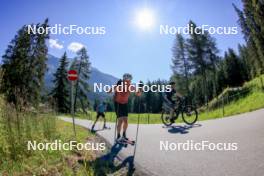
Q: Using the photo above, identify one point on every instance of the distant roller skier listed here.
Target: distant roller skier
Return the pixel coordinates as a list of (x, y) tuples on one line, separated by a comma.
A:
[(101, 108)]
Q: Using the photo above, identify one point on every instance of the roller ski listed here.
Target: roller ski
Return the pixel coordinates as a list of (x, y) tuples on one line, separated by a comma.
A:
[(129, 141), (106, 128), (125, 141)]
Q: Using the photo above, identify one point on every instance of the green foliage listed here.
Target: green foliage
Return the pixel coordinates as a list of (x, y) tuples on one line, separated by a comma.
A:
[(233, 69), (17, 128), (231, 101), (206, 74), (247, 66), (24, 67), (61, 89), (181, 64), (237, 100), (194, 66), (148, 102), (251, 22), (83, 66)]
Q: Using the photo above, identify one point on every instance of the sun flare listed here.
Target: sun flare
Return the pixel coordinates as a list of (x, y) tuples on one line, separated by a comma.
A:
[(145, 19)]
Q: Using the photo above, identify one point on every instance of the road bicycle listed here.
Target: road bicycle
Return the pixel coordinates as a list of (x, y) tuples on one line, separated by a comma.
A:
[(187, 111)]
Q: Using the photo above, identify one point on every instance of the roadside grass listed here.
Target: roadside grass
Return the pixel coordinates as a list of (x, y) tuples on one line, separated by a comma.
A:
[(15, 159), (241, 103), (249, 103), (252, 99)]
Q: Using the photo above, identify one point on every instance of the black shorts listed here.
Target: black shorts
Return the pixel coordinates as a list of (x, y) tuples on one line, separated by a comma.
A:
[(121, 110), (100, 114)]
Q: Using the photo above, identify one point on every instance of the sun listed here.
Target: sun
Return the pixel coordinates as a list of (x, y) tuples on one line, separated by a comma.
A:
[(145, 19)]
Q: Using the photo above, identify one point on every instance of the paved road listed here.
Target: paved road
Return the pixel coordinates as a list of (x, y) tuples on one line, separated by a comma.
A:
[(247, 130)]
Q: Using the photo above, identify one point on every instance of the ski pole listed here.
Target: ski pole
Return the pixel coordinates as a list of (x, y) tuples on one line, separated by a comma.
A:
[(134, 154), (117, 109)]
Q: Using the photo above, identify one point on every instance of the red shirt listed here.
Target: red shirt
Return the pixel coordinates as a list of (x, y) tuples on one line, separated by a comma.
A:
[(122, 95)]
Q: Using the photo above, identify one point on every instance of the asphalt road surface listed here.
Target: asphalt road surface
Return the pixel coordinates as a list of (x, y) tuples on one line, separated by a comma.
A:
[(243, 132)]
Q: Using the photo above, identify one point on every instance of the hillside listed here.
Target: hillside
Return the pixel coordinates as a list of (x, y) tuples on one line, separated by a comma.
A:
[(238, 100), (96, 77)]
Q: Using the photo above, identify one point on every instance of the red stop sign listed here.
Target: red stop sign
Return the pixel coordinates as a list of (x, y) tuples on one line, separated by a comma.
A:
[(72, 75)]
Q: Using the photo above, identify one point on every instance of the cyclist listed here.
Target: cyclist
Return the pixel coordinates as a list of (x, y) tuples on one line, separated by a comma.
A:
[(121, 103), (170, 98), (100, 113)]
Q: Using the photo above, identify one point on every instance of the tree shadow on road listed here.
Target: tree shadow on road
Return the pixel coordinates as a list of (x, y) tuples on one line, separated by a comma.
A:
[(182, 129), (111, 163)]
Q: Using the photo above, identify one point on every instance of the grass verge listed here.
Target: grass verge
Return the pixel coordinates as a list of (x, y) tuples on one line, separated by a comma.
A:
[(57, 162), (240, 103)]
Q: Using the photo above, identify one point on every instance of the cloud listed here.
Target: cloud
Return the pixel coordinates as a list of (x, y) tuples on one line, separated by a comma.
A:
[(54, 43), (75, 46)]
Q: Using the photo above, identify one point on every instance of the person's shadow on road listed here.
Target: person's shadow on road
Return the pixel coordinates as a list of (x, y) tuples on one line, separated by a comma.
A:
[(102, 129), (107, 164), (182, 129)]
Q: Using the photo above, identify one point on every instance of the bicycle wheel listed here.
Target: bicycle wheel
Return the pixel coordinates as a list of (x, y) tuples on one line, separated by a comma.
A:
[(166, 117), (189, 115)]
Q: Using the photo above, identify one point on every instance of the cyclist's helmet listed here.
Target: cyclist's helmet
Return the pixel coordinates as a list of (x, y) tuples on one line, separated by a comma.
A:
[(127, 76), (140, 84), (172, 83)]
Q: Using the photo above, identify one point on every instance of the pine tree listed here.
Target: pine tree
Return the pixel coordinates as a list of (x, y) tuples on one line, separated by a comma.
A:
[(233, 69), (213, 60), (196, 52), (83, 67), (197, 92), (24, 67), (38, 65), (181, 64), (245, 58), (253, 11), (201, 51), (60, 92), (1, 76), (251, 23), (220, 77)]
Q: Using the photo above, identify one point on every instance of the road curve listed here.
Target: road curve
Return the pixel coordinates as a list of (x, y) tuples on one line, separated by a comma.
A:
[(246, 130)]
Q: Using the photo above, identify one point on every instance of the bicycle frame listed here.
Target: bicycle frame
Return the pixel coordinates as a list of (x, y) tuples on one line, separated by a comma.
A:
[(180, 108)]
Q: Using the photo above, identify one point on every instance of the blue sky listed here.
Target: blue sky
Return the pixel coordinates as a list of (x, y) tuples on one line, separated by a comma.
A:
[(124, 47)]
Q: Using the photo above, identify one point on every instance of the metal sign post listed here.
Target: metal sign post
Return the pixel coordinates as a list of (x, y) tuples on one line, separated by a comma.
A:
[(72, 107), (72, 76)]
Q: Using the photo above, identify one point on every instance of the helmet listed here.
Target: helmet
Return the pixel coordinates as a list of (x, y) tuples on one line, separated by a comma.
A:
[(127, 76), (172, 83)]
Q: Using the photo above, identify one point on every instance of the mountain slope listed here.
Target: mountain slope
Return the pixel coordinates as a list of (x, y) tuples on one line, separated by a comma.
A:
[(96, 77)]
